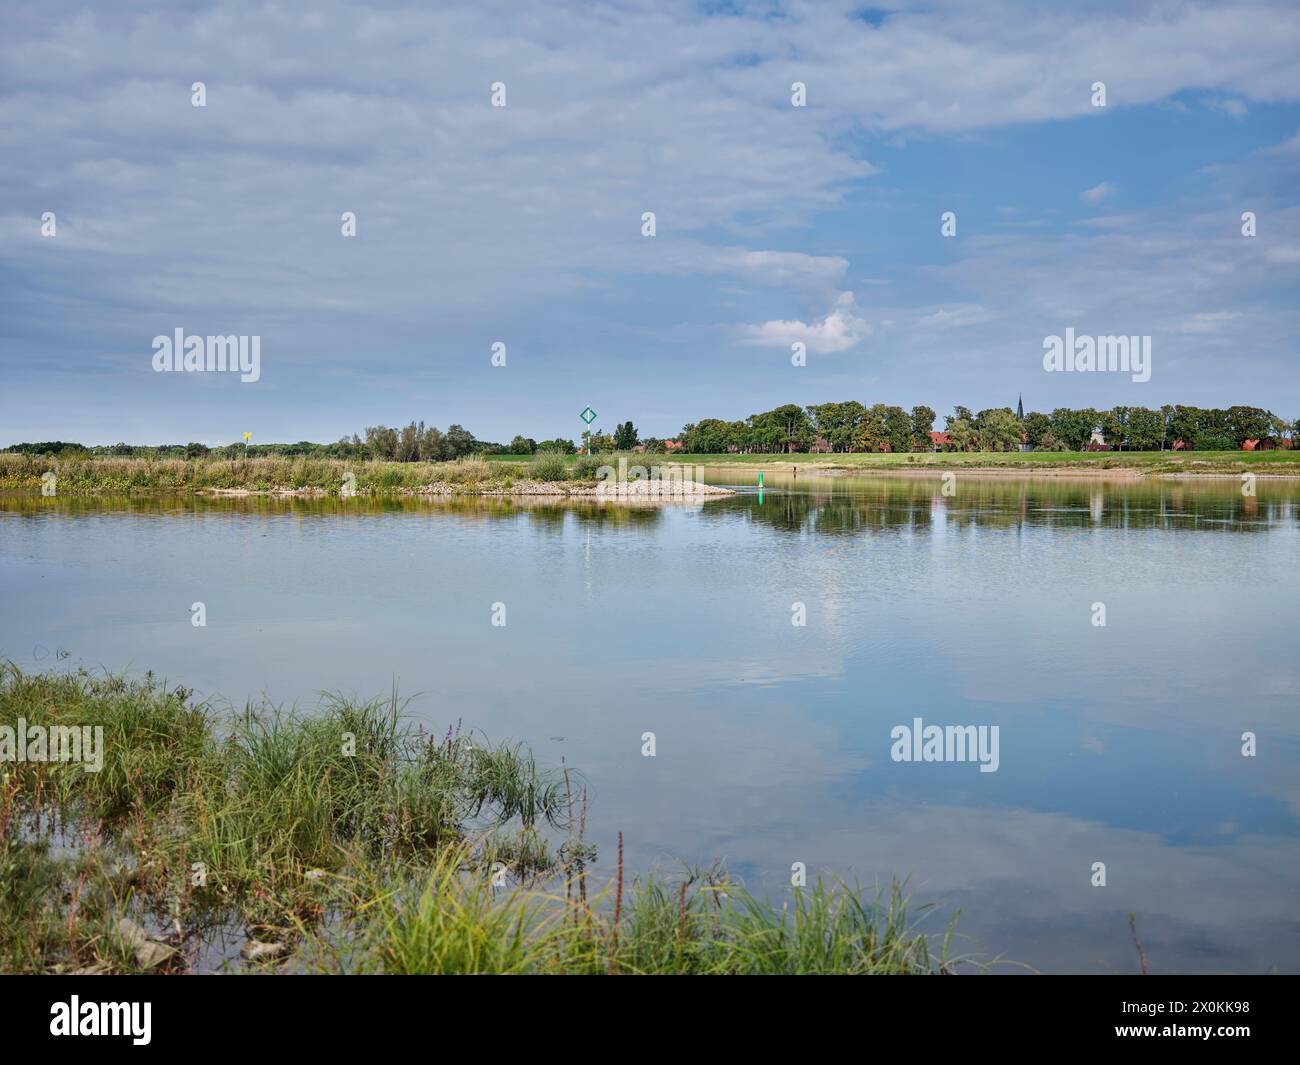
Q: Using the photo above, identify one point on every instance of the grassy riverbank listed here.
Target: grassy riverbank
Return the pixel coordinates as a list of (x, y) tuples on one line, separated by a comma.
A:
[(543, 476), (351, 841), (561, 475), (80, 476), (1185, 463)]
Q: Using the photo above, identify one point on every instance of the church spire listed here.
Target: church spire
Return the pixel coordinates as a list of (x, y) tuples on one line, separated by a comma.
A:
[(1020, 407)]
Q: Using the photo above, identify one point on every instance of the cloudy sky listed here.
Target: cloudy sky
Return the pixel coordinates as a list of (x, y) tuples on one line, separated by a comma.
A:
[(523, 224)]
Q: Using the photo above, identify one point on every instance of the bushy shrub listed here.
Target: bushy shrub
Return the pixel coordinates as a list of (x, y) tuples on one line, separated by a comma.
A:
[(548, 466)]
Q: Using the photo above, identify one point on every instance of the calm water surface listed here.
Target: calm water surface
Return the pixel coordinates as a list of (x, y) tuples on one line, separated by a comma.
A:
[(1119, 744)]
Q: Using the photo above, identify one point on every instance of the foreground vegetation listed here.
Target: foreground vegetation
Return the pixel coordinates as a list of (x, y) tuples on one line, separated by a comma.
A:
[(349, 841), (76, 474)]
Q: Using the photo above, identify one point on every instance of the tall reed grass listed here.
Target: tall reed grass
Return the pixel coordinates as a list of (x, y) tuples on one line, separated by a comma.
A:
[(374, 844), (447, 921), (84, 475), (261, 801)]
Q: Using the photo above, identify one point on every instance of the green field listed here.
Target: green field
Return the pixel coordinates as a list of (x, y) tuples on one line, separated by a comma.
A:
[(1155, 462)]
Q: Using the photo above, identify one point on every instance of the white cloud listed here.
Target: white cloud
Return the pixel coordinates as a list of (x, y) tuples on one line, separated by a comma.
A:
[(822, 273), (1286, 254), (1097, 193), (784, 266), (955, 317), (1228, 105), (839, 330), (1155, 275), (1209, 321), (530, 215)]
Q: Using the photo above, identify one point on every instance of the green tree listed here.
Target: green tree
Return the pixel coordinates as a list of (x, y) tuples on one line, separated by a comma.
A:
[(1182, 423), (735, 435), (1037, 425), (796, 431), (837, 422), (410, 443), (381, 441), (625, 438), (708, 437), (961, 435), (872, 434), (1213, 424), (1114, 426), (1073, 428), (431, 446), (999, 430), (1248, 423), (1214, 440), (787, 428), (898, 429), (564, 447), (1279, 427), (1146, 429), (922, 426), (459, 441)]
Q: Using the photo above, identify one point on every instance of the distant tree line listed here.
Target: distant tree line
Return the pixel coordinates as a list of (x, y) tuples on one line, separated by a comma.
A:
[(852, 426), (830, 427), (417, 443), (414, 443), (624, 438)]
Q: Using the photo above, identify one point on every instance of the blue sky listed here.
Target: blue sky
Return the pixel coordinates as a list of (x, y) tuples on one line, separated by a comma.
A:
[(522, 224)]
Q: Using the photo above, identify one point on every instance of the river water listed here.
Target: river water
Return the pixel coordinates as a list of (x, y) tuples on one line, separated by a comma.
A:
[(774, 741)]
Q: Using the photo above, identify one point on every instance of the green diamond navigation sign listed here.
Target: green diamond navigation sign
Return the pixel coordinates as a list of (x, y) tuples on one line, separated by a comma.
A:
[(588, 415)]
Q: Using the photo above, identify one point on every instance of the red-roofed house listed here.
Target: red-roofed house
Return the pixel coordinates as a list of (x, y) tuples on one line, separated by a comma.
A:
[(939, 441)]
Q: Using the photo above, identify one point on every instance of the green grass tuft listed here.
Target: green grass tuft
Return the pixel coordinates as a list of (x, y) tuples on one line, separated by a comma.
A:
[(371, 843)]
